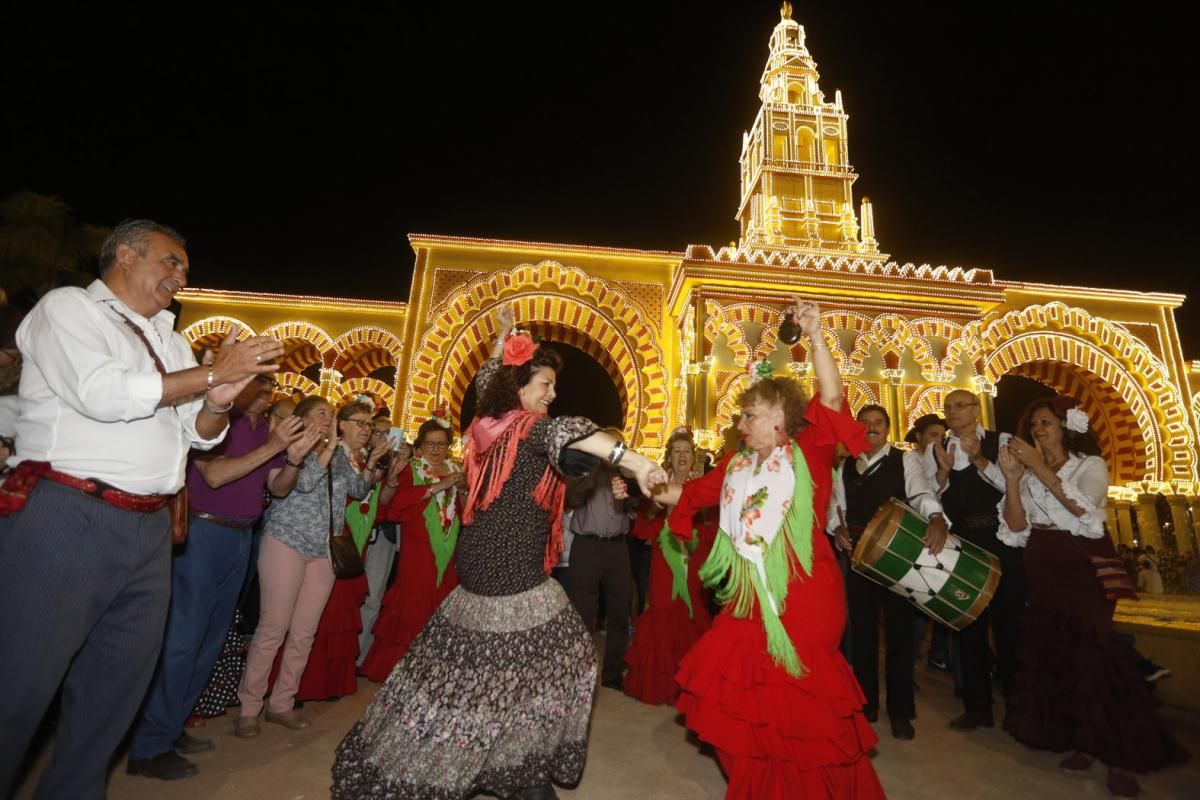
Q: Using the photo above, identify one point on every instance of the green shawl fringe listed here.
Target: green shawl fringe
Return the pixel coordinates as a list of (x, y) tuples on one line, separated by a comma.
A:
[(673, 550), (441, 541), (790, 553)]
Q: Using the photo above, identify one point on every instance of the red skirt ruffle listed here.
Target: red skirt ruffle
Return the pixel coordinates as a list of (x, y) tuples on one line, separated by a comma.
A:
[(778, 736), (664, 635), (406, 609), (1077, 686)]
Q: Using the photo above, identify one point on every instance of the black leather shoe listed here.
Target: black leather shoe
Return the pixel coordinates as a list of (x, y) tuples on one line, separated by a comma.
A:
[(187, 744), (617, 683), (169, 766), (872, 714), (903, 729), (970, 721)]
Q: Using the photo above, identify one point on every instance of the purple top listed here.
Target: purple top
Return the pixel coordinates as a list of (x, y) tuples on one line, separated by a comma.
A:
[(243, 498)]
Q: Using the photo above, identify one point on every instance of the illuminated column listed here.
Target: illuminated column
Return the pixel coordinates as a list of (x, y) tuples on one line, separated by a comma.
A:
[(1124, 513), (893, 400), (1182, 523), (868, 244), (986, 391), (330, 379), (699, 392), (1147, 517), (1110, 511)]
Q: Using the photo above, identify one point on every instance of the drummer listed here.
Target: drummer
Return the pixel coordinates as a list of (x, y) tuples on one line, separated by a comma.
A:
[(882, 473), (972, 487)]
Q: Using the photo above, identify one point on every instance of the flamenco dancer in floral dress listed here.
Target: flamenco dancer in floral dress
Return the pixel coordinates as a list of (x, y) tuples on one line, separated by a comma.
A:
[(767, 686), (494, 694), (677, 615)]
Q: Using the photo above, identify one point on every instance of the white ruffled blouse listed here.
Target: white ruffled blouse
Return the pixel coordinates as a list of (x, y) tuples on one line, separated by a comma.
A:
[(1084, 481)]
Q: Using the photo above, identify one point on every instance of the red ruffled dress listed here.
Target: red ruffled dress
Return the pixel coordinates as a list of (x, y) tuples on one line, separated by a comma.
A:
[(415, 594), (779, 736), (667, 629)]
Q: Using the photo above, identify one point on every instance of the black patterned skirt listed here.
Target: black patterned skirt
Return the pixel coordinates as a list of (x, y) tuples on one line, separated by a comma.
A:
[(494, 695)]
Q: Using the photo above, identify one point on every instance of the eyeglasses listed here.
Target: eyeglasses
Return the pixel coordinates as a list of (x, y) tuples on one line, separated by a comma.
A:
[(434, 445), (961, 405), (362, 423)]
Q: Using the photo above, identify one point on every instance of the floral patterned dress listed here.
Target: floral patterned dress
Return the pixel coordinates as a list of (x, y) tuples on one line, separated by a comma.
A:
[(495, 693)]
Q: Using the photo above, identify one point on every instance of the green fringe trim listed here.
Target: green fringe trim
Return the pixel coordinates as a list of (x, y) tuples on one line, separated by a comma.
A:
[(360, 523), (441, 541), (790, 553), (673, 550)]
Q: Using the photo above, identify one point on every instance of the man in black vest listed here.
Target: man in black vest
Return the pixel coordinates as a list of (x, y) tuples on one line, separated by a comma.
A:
[(868, 482), (972, 489)]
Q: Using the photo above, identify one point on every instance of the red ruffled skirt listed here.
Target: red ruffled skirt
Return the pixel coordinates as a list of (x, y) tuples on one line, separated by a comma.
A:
[(1077, 686), (779, 737), (331, 669), (407, 606)]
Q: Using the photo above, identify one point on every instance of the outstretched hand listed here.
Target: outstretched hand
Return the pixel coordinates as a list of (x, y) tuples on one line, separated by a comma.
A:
[(807, 316)]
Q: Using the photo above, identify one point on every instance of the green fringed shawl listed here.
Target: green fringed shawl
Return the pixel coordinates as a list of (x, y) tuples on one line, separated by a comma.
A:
[(673, 550), (792, 546), (359, 522), (441, 541)]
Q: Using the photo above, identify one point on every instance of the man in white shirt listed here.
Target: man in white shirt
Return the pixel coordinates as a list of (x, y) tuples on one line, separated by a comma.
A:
[(111, 400), (972, 489), (878, 475)]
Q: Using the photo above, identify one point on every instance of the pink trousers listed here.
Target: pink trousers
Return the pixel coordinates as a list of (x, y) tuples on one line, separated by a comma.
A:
[(294, 592)]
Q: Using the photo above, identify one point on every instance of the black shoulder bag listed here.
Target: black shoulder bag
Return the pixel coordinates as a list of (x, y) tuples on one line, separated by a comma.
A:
[(343, 553)]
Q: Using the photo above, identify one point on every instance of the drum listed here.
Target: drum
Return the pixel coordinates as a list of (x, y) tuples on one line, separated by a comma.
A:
[(954, 587)]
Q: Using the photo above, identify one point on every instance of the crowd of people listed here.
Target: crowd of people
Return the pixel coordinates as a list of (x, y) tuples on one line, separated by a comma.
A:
[(174, 531)]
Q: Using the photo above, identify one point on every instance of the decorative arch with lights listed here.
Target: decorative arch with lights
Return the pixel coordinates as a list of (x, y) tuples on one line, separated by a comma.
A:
[(607, 323)]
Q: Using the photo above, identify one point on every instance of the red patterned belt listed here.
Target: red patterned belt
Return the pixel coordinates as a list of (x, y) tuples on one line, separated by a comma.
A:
[(20, 483)]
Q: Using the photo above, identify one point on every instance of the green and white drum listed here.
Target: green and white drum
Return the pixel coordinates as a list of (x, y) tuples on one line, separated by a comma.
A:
[(953, 587)]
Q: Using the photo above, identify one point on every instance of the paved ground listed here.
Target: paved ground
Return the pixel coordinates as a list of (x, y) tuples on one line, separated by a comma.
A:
[(642, 752)]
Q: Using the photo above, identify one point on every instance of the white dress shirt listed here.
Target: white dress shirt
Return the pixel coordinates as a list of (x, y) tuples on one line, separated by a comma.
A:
[(921, 490), (90, 392), (1084, 482)]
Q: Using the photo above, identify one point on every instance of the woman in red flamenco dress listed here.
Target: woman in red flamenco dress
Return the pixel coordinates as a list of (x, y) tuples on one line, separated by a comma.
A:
[(677, 614), (426, 504), (767, 686)]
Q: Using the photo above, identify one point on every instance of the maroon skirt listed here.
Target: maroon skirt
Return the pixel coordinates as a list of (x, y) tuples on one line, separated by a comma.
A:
[(1078, 686)]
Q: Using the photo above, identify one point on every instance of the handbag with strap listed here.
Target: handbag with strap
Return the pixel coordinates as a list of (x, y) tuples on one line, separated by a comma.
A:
[(343, 552)]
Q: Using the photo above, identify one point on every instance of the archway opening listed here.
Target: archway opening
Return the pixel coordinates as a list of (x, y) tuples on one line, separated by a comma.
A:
[(1118, 433), (584, 389)]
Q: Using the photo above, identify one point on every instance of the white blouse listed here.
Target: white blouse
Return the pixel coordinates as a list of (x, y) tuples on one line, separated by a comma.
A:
[(1084, 482)]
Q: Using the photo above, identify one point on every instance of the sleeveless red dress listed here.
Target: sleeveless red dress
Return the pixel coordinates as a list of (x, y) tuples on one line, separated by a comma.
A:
[(666, 630), (415, 594)]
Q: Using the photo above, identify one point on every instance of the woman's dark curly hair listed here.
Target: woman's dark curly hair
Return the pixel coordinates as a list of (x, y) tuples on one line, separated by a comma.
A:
[(1082, 444), (500, 396)]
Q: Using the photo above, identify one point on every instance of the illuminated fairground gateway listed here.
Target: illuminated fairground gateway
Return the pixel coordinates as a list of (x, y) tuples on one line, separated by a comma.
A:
[(676, 330)]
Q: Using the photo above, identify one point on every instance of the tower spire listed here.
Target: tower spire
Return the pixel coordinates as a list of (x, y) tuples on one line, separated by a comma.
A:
[(797, 182)]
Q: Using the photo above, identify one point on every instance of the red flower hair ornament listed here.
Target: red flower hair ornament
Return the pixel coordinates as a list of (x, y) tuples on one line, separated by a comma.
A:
[(518, 349)]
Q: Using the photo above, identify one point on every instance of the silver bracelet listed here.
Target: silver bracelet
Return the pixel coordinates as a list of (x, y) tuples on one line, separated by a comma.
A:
[(618, 452), (217, 410)]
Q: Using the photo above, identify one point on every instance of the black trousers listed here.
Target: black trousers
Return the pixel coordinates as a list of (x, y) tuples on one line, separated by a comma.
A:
[(603, 564), (1002, 617), (84, 589), (864, 602)]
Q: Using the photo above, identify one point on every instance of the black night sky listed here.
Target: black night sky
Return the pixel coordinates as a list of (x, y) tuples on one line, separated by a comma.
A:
[(296, 148)]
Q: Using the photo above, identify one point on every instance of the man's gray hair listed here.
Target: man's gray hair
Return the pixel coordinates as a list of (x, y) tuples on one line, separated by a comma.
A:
[(133, 233)]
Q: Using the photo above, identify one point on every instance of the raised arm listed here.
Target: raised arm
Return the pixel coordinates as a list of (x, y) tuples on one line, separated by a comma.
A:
[(808, 317)]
